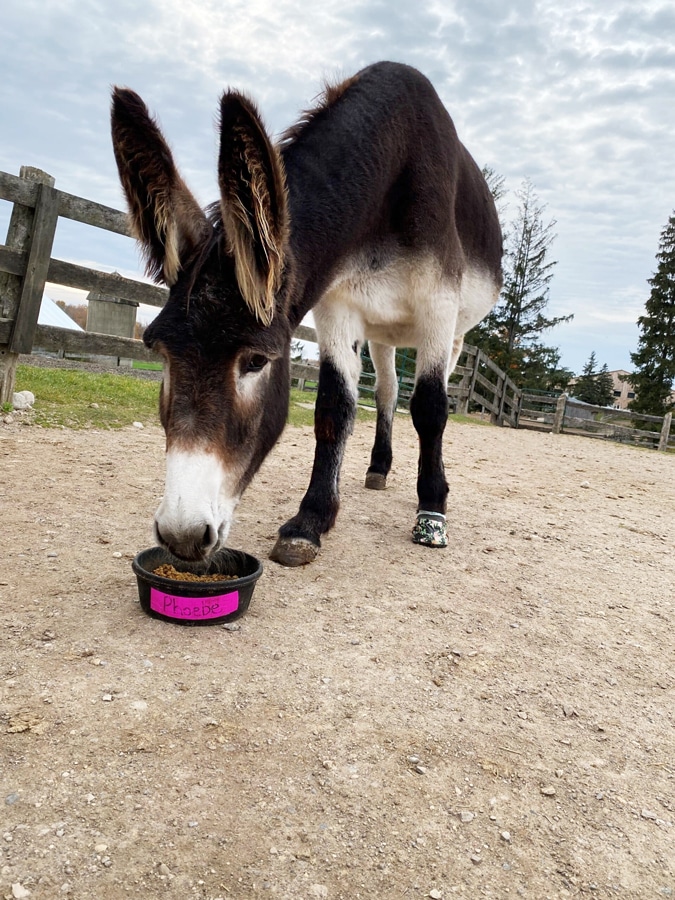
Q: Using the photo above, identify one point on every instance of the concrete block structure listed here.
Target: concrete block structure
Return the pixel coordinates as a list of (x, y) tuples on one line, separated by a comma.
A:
[(111, 315)]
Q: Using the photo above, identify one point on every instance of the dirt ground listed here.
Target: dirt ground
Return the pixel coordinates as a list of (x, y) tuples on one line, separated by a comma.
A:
[(490, 720)]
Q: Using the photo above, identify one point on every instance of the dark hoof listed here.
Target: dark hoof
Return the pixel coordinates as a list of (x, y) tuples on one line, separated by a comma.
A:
[(294, 551), (375, 481), (430, 530)]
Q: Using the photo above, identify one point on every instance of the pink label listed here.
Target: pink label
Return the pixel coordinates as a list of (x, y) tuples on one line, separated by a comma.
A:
[(193, 607)]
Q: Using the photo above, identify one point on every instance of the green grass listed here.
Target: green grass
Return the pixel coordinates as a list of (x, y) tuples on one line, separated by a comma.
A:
[(147, 366), (65, 397)]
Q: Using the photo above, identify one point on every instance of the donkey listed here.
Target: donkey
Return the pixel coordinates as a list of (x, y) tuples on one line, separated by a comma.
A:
[(370, 212)]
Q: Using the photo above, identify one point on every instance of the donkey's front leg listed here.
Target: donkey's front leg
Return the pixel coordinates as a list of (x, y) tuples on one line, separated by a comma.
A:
[(300, 538), (429, 412)]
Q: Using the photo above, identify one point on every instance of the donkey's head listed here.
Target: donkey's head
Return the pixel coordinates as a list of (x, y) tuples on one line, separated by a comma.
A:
[(224, 333)]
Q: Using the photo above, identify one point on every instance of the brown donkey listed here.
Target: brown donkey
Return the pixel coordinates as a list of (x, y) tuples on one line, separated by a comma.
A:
[(371, 213)]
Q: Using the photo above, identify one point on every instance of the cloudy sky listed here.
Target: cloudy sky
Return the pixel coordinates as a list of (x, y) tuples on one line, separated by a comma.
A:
[(576, 96)]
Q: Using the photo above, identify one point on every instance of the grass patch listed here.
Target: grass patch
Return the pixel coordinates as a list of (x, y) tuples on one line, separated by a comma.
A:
[(299, 415), (65, 397), (146, 366)]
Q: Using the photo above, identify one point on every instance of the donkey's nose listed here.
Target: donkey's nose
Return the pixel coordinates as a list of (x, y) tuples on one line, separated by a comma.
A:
[(191, 544)]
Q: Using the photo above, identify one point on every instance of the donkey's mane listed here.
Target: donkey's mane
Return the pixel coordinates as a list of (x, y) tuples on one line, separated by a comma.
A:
[(330, 95)]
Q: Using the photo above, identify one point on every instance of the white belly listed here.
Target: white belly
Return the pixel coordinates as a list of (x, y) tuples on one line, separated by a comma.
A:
[(398, 303)]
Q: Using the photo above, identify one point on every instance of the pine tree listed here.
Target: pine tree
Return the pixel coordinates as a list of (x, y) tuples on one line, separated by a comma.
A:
[(510, 333), (594, 386), (605, 387), (584, 387), (654, 358)]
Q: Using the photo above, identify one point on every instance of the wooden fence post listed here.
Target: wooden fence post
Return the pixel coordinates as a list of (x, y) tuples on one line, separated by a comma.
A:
[(665, 432), (500, 394), (559, 414), (31, 232)]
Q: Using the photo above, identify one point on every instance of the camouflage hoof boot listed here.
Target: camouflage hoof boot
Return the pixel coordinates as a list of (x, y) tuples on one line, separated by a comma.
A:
[(429, 529)]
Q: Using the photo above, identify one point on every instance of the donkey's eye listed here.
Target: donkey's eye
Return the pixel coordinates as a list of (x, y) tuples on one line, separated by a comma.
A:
[(256, 363)]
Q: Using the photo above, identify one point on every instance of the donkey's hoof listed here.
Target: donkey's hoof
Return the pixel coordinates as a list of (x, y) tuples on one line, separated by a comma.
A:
[(430, 530), (294, 551), (375, 481)]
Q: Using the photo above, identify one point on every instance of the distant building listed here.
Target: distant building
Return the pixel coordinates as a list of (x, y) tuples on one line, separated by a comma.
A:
[(51, 314), (623, 390)]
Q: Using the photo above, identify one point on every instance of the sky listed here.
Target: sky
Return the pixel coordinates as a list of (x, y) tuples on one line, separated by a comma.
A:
[(576, 96)]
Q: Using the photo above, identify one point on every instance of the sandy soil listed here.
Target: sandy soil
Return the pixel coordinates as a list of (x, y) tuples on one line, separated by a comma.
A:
[(491, 720)]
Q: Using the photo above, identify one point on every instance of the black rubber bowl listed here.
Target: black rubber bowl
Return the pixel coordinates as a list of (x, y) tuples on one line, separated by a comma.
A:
[(196, 602)]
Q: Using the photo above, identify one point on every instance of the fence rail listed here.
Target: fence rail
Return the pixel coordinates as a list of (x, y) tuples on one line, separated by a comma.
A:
[(26, 265)]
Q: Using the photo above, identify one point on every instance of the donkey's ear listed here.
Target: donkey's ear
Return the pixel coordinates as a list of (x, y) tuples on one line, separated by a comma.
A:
[(253, 203), (165, 217)]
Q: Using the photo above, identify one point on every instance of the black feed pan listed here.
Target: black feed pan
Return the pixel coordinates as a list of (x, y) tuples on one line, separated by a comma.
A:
[(197, 602)]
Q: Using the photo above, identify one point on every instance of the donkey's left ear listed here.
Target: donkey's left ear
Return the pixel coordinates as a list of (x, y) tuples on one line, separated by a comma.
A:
[(253, 203)]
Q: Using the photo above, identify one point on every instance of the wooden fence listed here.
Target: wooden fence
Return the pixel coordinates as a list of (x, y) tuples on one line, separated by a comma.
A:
[(26, 265)]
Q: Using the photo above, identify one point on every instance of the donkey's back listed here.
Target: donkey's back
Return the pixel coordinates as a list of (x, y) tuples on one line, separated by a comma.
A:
[(379, 180)]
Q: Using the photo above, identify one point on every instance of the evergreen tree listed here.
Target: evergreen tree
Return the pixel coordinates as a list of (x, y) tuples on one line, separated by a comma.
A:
[(594, 386), (584, 387), (654, 358), (510, 333), (541, 370), (605, 387)]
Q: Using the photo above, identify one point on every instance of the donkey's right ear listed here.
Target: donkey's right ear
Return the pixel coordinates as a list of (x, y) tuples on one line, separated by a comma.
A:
[(165, 217)]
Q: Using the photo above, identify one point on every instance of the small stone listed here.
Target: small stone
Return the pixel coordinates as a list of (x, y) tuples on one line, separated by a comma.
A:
[(100, 848), (466, 816), (559, 773), (8, 420), (476, 859), (93, 406), (648, 814), (435, 894), (232, 626), (413, 760), (421, 770), (138, 425), (52, 554), (548, 791), (107, 698), (11, 799), (117, 555), (585, 484), (23, 400), (19, 892), (505, 836)]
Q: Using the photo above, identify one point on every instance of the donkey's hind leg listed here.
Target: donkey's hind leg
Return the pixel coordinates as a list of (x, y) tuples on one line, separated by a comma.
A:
[(386, 393)]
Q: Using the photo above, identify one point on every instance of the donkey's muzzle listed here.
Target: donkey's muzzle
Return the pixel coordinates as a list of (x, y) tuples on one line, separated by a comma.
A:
[(192, 544)]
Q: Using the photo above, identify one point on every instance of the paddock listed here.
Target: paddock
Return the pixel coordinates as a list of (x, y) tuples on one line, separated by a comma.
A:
[(494, 719)]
